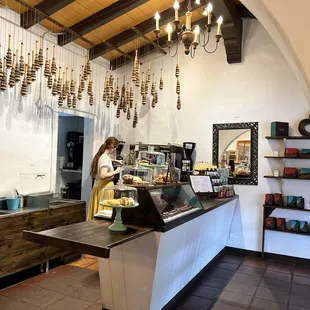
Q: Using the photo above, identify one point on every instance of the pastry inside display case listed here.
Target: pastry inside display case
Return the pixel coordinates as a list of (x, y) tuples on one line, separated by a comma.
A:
[(243, 170), (162, 176), (119, 195), (132, 175), (151, 159), (173, 202)]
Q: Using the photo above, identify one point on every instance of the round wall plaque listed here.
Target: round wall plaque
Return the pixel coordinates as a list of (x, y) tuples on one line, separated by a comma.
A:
[(302, 127)]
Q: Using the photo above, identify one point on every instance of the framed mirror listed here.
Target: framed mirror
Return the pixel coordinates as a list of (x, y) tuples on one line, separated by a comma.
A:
[(235, 146)]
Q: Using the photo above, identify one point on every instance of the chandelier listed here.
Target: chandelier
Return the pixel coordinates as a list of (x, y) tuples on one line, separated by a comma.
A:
[(190, 37)]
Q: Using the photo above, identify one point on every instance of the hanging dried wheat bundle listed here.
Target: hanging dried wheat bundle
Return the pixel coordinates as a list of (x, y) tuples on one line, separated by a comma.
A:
[(82, 83), (116, 94), (32, 69), (67, 83), (9, 55), (111, 98), (91, 100), (153, 85), (36, 58), (127, 99), (111, 80), (131, 96), (178, 88), (60, 101), (138, 74), (17, 71), (22, 60), (133, 73), (74, 101), (72, 84), (128, 116), (63, 87), (3, 82), (118, 111), (85, 74), (40, 56), (156, 96), (80, 96), (161, 83), (59, 82), (1, 65), (54, 88), (135, 117), (69, 101), (23, 89), (29, 78), (90, 86), (144, 99), (80, 89), (54, 66), (142, 85), (88, 66), (47, 70), (177, 68), (122, 101), (12, 82), (179, 102), (148, 75), (50, 79)]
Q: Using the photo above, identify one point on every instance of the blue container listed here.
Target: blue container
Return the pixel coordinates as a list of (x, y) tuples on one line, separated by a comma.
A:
[(13, 203)]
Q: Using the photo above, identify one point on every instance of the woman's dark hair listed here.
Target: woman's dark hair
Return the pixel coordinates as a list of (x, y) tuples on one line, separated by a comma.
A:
[(110, 143), (232, 165)]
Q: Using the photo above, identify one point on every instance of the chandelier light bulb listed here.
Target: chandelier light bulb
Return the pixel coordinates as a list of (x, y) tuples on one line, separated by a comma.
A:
[(157, 17), (196, 32), (219, 23), (209, 11), (197, 1), (176, 7), (169, 31)]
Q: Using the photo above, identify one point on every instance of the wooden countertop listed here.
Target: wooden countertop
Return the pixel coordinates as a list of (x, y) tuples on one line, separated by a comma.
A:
[(91, 237)]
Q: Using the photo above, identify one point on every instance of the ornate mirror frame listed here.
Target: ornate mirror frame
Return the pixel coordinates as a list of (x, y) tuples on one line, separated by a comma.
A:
[(253, 180)]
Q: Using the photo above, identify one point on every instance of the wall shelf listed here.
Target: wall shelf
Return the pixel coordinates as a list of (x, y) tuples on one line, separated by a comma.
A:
[(288, 232), (284, 157), (282, 177), (70, 171), (288, 138), (286, 208)]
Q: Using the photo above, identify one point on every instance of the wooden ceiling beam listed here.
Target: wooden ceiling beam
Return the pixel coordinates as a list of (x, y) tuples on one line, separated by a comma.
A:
[(150, 48), (100, 19), (145, 27), (48, 7)]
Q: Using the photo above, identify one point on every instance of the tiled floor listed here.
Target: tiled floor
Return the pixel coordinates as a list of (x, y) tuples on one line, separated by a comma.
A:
[(236, 283), (233, 283), (71, 287)]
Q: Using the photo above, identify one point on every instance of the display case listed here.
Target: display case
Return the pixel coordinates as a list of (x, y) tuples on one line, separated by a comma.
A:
[(164, 207), (151, 159), (135, 175), (162, 176)]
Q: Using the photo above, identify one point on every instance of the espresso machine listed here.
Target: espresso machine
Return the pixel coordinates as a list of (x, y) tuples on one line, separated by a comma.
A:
[(75, 142), (187, 164)]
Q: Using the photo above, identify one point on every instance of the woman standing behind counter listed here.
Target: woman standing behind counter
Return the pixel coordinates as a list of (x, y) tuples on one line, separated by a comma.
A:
[(102, 171)]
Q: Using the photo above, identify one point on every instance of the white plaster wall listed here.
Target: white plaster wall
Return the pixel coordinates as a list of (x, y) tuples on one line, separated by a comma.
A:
[(28, 136), (262, 89)]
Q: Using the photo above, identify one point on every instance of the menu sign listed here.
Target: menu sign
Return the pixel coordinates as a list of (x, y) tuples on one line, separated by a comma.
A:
[(201, 183)]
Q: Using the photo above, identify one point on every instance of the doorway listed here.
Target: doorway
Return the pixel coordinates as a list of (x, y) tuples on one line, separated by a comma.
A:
[(74, 155)]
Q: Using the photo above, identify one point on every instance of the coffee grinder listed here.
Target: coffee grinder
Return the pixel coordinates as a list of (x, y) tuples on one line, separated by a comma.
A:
[(75, 142), (187, 164)]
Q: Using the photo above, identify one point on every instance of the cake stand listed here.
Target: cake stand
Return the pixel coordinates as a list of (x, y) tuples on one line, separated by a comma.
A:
[(118, 222)]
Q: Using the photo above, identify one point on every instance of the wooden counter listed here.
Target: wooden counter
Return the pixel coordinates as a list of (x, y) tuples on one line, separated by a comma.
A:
[(17, 254)]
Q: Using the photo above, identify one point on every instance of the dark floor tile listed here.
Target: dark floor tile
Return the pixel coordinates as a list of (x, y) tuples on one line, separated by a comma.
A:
[(251, 270), (263, 304), (235, 299), (227, 266), (300, 301), (301, 280), (221, 273), (296, 308), (299, 289), (273, 295), (254, 262), (285, 268), (302, 271), (231, 259), (214, 282), (196, 303), (221, 306), (277, 275), (206, 292), (247, 278), (11, 304), (276, 285), (242, 288)]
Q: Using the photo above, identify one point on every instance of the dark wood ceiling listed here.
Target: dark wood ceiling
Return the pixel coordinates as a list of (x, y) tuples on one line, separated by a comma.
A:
[(115, 29)]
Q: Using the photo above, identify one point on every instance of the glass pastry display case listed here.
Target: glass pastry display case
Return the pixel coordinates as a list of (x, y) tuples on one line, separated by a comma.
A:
[(119, 195), (161, 175), (163, 207), (151, 159), (132, 175), (243, 170)]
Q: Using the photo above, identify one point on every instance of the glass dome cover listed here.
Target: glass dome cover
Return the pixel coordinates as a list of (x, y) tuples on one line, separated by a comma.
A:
[(151, 159), (119, 195), (136, 175), (160, 175)]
